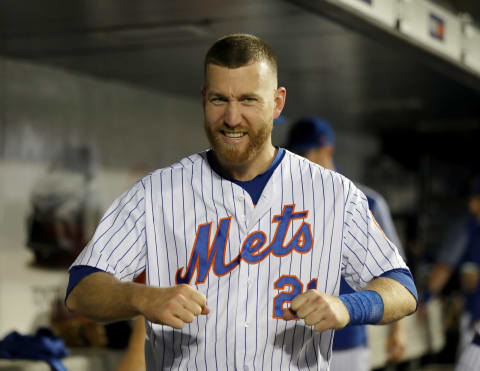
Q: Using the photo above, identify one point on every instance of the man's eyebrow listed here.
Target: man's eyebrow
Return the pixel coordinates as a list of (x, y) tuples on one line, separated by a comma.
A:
[(215, 94), (250, 95)]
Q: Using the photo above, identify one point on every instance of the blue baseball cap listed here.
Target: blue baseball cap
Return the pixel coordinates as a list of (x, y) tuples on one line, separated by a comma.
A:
[(308, 133)]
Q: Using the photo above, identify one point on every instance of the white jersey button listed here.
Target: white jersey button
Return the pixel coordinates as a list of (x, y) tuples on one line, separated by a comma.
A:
[(245, 368), (245, 324), (241, 197)]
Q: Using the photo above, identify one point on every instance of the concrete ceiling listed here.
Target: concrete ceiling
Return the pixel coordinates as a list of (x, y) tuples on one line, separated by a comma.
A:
[(328, 69)]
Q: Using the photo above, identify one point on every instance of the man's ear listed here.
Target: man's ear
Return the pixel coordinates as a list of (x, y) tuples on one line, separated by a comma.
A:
[(280, 97)]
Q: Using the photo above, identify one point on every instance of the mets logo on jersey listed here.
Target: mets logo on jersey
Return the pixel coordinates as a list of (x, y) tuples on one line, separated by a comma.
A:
[(206, 255)]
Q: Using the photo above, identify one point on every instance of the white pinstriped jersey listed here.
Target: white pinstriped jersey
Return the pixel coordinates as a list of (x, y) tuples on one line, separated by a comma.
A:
[(469, 359), (186, 224)]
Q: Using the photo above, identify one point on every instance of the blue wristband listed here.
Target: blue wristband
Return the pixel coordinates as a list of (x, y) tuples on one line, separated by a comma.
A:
[(364, 307)]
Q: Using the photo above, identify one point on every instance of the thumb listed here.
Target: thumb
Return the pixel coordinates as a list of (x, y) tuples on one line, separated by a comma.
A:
[(288, 314), (205, 309)]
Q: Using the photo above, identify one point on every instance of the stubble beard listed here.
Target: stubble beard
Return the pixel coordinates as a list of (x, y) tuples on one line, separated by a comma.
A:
[(232, 153)]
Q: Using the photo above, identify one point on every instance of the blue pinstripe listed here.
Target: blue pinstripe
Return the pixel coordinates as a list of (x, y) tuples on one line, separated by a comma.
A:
[(131, 246), (366, 250), (228, 293), (268, 288), (176, 253), (120, 228), (94, 244), (124, 237), (218, 283), (329, 257), (238, 270), (291, 259), (195, 218), (156, 250), (379, 249), (246, 301), (279, 269), (208, 279), (185, 245)]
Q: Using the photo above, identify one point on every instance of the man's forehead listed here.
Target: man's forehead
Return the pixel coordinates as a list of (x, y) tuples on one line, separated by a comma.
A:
[(255, 73)]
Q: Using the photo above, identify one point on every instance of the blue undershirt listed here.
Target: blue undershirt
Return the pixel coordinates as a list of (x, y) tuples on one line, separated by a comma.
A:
[(255, 186)]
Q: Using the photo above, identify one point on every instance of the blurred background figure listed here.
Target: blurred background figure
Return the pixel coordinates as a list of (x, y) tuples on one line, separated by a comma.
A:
[(460, 255), (314, 139), (64, 208), (133, 358), (469, 359)]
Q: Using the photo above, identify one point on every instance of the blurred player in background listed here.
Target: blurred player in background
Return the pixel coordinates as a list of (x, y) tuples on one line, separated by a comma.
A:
[(65, 208), (314, 139), (461, 251)]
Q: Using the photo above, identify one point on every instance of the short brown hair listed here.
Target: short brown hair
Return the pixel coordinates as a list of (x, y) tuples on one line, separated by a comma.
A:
[(238, 50)]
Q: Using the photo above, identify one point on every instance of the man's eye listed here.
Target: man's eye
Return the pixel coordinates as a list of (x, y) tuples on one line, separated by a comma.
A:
[(217, 100), (250, 100)]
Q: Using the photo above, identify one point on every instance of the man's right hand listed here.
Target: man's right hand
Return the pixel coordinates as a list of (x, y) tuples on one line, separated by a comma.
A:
[(172, 306), (102, 297)]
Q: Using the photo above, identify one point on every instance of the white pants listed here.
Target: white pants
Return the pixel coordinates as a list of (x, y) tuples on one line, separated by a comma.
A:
[(466, 332), (355, 359), (469, 359)]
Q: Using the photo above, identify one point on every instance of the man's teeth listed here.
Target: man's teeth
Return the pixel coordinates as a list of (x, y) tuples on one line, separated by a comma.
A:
[(234, 135)]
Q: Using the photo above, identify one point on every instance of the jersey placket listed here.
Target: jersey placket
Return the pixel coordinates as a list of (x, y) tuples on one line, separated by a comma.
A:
[(242, 322), (248, 219)]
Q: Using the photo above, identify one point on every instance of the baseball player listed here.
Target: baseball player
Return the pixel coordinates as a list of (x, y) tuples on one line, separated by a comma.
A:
[(470, 357), (461, 250), (244, 244), (313, 137)]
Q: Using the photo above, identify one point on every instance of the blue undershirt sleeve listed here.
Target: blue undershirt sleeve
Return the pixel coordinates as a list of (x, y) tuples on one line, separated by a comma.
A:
[(78, 273), (403, 276)]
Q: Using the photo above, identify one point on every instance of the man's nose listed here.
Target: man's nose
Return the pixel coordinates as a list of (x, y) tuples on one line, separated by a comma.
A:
[(233, 114)]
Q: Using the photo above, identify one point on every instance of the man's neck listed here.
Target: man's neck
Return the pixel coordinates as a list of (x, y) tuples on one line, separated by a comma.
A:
[(329, 164), (249, 170)]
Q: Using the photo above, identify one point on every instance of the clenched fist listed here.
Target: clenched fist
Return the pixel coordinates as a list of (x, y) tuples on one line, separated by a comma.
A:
[(322, 311), (172, 306)]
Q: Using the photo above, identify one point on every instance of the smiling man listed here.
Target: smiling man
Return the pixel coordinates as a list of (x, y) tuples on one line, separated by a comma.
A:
[(240, 103), (243, 245)]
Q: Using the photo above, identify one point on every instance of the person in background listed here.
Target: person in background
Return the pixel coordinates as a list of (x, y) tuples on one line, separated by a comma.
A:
[(314, 138), (133, 358), (461, 251), (65, 208), (469, 359)]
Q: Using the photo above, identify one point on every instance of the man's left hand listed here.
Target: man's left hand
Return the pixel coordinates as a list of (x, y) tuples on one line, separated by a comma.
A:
[(322, 311)]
